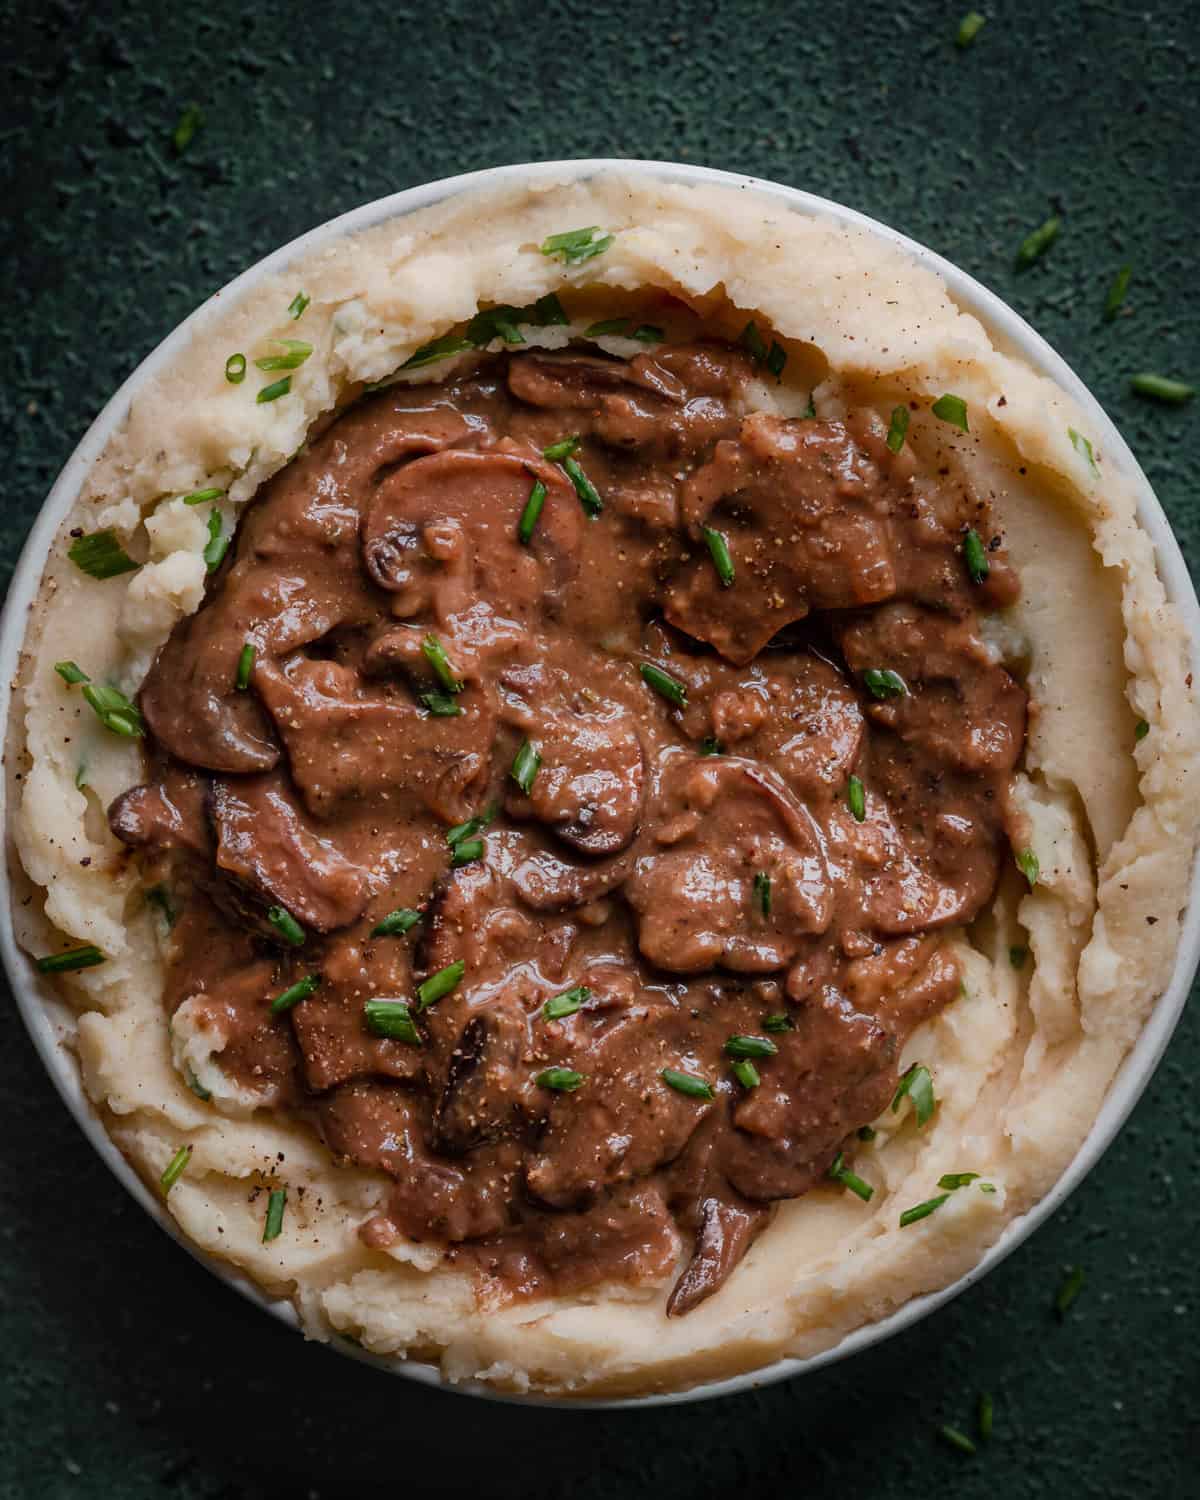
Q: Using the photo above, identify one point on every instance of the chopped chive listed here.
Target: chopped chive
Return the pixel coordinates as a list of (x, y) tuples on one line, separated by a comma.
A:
[(576, 245), (175, 1168), (196, 1086), (810, 410), (647, 333), (840, 1173), (719, 551), (85, 957), (100, 555), (986, 1413), (71, 673), (866, 1133), (548, 312), (615, 327), (435, 655), (856, 799), (114, 710), (274, 391), (201, 497), (81, 776), (567, 1003), (1083, 447), (1141, 729), (780, 1021), (440, 984), (443, 348), (286, 926), (776, 359), (1027, 863), (752, 341), (189, 122), (746, 1073), (987, 1187), (1116, 292), (956, 1439), (968, 28), (556, 452), (883, 683), (1017, 955), (440, 705), (664, 684), (1071, 1287), (466, 853), (922, 1210), (690, 1084), (392, 1019), (244, 667), (298, 303), (952, 409), (497, 323), (160, 896), (898, 429), (711, 745), (396, 923), (750, 1046), (532, 511), (235, 369), (589, 496), (1037, 242), (561, 1080), (953, 1180), (525, 766), (276, 1204), (1161, 388), (916, 1084), (470, 828), (218, 544), (293, 995), (762, 892), (298, 352), (975, 556)]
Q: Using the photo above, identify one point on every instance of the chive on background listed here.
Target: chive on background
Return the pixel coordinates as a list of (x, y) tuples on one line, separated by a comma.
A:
[(125, 1369)]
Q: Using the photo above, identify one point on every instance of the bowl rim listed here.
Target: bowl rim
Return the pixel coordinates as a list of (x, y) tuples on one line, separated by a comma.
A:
[(48, 1019)]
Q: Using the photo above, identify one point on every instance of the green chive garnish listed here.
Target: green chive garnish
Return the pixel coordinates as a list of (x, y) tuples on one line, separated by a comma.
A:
[(547, 312), (392, 1019), (719, 550), (114, 710), (567, 1003), (562, 1080), (466, 852), (614, 327), (525, 765), (762, 892), (1027, 863), (856, 799), (975, 556), (1083, 447), (780, 1021), (286, 926), (647, 333), (690, 1084), (746, 1073), (776, 359), (986, 1413), (235, 369), (85, 957), (577, 245), (589, 496), (440, 705), (1161, 388), (470, 828), (396, 923), (1037, 242), (298, 303), (244, 667), (196, 1086), (953, 1180), (274, 391), (1017, 956), (443, 348), (711, 745), (883, 683), (532, 511), (100, 555), (952, 409), (664, 684), (293, 995), (866, 1133), (916, 1084), (440, 984), (752, 341), (497, 323), (842, 1174), (189, 122), (81, 776), (201, 497), (556, 452), (276, 1204), (956, 1439), (1070, 1289), (898, 430), (218, 543), (435, 655), (922, 1210), (810, 410), (1141, 729), (175, 1168), (298, 352), (968, 28), (1116, 292), (750, 1046), (160, 896), (70, 673)]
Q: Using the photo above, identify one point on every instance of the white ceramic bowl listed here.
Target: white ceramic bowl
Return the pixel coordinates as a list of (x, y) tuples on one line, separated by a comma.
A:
[(50, 1021)]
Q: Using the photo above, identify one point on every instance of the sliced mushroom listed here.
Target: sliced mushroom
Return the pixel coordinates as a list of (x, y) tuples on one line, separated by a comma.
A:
[(727, 1230), (485, 1081)]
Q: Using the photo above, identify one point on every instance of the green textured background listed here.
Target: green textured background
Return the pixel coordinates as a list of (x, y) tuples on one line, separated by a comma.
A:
[(125, 1369)]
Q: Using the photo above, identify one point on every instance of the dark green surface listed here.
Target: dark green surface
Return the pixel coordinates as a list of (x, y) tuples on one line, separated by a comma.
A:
[(125, 1369)]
